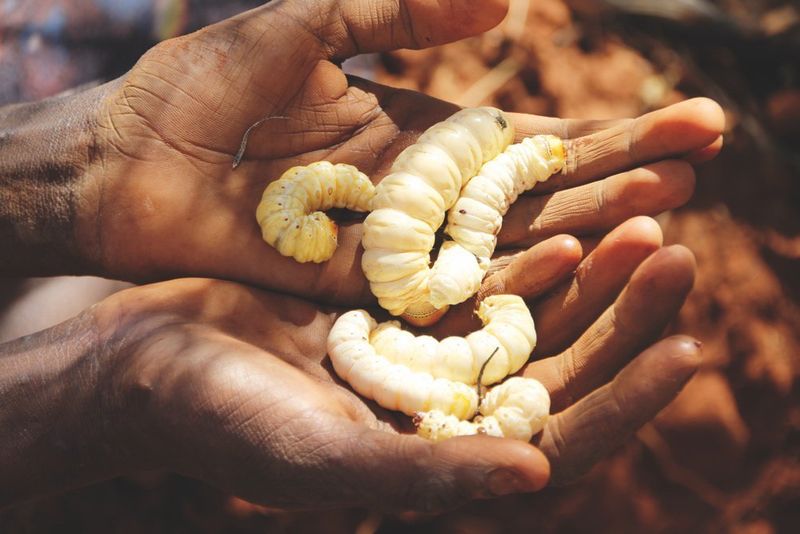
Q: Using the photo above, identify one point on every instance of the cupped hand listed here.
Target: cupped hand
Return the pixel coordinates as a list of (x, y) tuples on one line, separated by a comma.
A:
[(164, 201), (232, 385)]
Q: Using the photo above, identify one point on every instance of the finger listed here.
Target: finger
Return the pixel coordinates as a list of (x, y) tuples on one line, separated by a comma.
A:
[(600, 205), (706, 153), (527, 274), (666, 133), (575, 439), (396, 473), (590, 243), (533, 271), (567, 128), (345, 29), (651, 300), (528, 125), (562, 316)]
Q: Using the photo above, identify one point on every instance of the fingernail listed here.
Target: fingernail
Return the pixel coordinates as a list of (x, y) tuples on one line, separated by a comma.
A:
[(505, 482)]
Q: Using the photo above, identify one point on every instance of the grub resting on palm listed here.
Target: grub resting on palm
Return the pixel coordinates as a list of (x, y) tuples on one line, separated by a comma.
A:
[(465, 169)]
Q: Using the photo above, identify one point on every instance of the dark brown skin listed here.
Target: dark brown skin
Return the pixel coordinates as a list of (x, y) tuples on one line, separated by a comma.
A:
[(232, 385), (44, 150), (142, 186), (229, 383)]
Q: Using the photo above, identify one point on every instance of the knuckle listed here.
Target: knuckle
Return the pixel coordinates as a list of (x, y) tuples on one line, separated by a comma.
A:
[(576, 150), (407, 24), (434, 494), (420, 482), (554, 446), (568, 376), (599, 196)]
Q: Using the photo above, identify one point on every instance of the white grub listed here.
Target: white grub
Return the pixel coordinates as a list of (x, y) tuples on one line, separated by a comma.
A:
[(464, 166), (436, 381)]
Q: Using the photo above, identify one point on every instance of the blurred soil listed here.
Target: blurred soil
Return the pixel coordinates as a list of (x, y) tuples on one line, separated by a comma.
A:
[(725, 457)]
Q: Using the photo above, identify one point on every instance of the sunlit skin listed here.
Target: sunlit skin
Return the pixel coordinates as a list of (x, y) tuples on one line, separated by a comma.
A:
[(229, 383), (170, 202), (232, 385)]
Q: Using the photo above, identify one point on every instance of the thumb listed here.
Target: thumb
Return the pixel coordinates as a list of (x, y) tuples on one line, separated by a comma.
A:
[(406, 473), (345, 28)]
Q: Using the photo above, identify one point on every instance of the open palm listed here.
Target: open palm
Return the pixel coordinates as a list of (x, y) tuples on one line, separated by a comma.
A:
[(169, 203), (232, 384)]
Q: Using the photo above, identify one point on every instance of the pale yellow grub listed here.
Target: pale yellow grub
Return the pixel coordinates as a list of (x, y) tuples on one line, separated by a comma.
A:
[(465, 168), (291, 216)]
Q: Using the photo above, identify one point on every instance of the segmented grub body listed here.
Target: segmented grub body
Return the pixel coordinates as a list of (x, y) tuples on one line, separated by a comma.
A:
[(411, 202), (436, 381), (290, 212), (464, 165), (463, 168), (477, 216), (518, 409), (508, 336)]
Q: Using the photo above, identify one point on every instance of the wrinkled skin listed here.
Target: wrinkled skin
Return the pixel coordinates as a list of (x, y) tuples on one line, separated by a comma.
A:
[(232, 385), (163, 200), (229, 383)]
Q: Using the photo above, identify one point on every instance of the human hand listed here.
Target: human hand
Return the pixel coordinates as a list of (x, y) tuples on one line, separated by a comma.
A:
[(164, 201), (232, 385), (598, 352)]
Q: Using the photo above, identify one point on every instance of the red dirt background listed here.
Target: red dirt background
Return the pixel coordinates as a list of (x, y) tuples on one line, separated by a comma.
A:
[(724, 457)]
